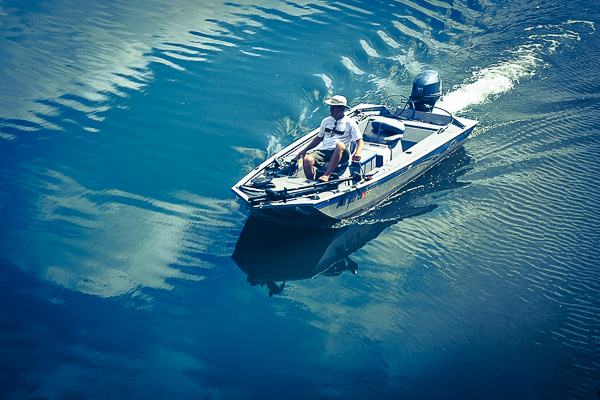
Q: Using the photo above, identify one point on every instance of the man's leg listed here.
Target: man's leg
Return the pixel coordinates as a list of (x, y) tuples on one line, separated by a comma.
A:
[(334, 161), (307, 164)]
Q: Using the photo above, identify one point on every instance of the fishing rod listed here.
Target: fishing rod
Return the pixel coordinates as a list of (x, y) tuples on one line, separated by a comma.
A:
[(286, 194)]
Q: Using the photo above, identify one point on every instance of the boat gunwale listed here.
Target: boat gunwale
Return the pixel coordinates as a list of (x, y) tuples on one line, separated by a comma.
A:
[(381, 177)]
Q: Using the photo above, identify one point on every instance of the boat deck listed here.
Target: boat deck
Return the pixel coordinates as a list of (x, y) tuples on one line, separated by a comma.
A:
[(396, 151)]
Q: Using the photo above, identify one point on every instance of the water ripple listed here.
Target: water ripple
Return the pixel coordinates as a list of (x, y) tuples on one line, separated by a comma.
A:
[(111, 243)]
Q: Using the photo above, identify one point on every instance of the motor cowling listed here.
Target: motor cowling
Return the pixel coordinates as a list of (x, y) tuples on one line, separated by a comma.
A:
[(426, 90)]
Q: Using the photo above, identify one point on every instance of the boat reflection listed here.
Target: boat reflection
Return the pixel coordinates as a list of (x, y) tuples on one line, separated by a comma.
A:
[(272, 253)]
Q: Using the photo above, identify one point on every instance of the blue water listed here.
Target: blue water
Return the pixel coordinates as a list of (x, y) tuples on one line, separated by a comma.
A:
[(123, 126)]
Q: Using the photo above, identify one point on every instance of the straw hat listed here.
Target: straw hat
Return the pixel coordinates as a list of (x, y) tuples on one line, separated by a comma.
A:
[(337, 100)]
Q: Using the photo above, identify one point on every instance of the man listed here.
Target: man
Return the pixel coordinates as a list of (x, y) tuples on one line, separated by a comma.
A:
[(336, 132)]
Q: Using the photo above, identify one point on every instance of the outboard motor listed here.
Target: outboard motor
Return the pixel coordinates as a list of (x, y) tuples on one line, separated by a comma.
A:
[(426, 90)]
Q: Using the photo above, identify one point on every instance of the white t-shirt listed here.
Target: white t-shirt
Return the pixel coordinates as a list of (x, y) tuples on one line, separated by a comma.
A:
[(344, 130)]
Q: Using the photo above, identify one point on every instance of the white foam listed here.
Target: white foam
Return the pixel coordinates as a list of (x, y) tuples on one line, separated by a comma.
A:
[(487, 83), (326, 80), (388, 40), (348, 63), (526, 59), (492, 81), (274, 146), (371, 52), (409, 62)]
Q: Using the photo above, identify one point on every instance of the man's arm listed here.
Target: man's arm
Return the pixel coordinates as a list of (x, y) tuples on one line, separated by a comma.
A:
[(315, 142), (355, 132), (359, 147)]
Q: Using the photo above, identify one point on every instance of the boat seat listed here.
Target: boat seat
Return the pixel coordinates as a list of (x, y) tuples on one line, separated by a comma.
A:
[(383, 130), (340, 169), (367, 162), (389, 140), (337, 172)]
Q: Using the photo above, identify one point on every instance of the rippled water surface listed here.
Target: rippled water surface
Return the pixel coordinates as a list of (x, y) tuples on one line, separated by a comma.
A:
[(128, 270)]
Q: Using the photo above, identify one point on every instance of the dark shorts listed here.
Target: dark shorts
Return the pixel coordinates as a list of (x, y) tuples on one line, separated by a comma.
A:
[(323, 156)]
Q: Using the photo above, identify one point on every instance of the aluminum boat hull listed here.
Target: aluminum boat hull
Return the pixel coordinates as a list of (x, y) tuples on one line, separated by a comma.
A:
[(429, 138)]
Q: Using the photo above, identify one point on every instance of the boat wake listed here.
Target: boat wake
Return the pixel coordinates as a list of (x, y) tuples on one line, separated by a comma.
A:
[(523, 61)]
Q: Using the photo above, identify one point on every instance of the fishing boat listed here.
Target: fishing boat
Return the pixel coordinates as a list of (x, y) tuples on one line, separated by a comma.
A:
[(400, 144)]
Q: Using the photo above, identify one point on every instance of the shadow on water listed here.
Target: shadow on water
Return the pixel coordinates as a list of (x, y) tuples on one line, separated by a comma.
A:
[(270, 252)]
